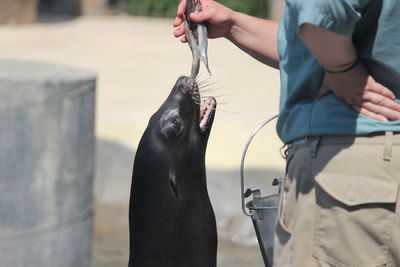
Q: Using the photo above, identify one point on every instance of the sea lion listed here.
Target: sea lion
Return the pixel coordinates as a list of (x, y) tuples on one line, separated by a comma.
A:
[(171, 220)]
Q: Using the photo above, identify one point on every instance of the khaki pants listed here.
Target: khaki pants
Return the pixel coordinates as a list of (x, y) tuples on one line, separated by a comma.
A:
[(340, 203)]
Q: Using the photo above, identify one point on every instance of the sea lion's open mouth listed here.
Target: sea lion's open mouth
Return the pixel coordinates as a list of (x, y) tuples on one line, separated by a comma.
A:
[(206, 107)]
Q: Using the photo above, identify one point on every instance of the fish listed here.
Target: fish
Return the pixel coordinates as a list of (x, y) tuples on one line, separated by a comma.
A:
[(197, 37)]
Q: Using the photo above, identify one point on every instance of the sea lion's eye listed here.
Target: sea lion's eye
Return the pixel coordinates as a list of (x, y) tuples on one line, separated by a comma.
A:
[(177, 127)]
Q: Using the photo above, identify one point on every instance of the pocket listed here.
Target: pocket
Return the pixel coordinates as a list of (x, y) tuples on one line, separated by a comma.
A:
[(355, 217), (286, 202), (283, 218)]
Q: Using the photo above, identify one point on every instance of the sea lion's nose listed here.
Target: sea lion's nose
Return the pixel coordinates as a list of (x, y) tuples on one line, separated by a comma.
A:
[(183, 84), (183, 81)]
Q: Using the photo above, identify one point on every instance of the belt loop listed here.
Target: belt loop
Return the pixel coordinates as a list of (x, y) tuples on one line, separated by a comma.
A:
[(314, 146), (387, 152), (284, 151), (398, 201)]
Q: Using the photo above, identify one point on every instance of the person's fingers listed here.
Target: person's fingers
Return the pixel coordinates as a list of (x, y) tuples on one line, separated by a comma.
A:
[(370, 114), (204, 4), (197, 17), (380, 110), (179, 32), (388, 103), (381, 100), (181, 8), (380, 89), (177, 22), (179, 13), (205, 15), (184, 39)]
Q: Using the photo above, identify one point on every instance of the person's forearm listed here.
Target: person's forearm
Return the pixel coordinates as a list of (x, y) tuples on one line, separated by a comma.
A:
[(335, 52), (257, 37)]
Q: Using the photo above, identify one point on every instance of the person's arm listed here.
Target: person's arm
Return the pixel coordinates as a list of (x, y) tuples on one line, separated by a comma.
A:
[(336, 52), (255, 36)]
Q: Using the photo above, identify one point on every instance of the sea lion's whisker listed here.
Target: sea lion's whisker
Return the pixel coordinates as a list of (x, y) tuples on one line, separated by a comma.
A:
[(226, 111), (212, 89), (207, 83), (203, 80), (199, 79), (204, 89), (205, 96)]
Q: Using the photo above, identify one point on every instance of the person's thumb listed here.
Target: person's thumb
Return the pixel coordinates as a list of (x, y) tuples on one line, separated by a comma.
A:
[(323, 90), (198, 17)]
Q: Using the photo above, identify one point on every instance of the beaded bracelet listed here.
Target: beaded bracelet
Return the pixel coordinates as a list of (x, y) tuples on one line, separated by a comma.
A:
[(344, 70)]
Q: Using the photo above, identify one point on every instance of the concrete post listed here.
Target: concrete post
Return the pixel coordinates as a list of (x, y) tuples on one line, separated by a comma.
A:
[(46, 164)]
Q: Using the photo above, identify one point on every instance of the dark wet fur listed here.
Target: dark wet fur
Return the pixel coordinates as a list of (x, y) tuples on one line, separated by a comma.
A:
[(172, 223)]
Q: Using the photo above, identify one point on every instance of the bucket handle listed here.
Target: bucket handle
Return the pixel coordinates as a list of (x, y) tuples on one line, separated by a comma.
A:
[(242, 192)]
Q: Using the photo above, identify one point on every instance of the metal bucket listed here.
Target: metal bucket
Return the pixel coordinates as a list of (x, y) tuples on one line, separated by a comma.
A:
[(263, 214), (262, 210)]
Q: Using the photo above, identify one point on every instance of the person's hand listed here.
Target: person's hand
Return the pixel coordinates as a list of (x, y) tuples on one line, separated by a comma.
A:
[(219, 19), (359, 90)]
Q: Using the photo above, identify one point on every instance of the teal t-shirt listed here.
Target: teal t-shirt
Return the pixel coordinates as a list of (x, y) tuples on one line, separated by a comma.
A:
[(375, 26)]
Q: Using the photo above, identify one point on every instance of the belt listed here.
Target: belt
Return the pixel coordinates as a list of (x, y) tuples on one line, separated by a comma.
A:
[(298, 141)]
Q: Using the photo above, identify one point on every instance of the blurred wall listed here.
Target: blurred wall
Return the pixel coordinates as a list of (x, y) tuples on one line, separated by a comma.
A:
[(73, 7), (18, 11), (275, 9), (95, 6), (70, 7)]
